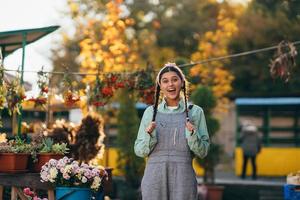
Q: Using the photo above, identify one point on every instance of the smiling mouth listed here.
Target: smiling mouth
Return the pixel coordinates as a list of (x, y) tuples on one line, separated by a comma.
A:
[(171, 90)]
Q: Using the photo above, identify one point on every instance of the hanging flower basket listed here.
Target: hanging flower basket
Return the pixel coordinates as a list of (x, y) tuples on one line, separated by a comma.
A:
[(70, 98), (100, 93), (41, 100), (284, 61), (15, 95)]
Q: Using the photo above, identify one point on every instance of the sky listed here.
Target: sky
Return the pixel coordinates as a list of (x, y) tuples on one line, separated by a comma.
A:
[(27, 14)]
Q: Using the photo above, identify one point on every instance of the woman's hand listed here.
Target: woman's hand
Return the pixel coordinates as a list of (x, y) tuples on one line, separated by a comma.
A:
[(150, 128), (190, 127)]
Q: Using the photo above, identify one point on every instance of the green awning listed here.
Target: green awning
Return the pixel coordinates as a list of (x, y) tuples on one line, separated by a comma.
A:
[(12, 40)]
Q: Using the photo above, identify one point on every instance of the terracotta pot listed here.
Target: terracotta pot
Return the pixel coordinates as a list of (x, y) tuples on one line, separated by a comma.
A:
[(43, 158), (214, 192), (13, 162)]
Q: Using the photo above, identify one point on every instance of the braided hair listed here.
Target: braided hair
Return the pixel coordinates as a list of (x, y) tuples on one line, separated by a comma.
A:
[(170, 67)]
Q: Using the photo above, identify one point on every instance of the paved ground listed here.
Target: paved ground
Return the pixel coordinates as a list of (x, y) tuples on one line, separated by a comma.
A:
[(235, 188), (230, 177)]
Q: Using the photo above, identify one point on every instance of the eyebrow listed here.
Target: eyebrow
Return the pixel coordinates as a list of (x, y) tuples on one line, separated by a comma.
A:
[(171, 77)]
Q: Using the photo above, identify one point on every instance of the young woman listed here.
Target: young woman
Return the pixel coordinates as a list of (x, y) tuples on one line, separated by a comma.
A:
[(170, 134)]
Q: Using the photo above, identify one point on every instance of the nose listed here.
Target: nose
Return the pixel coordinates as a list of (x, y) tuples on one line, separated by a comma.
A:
[(170, 83)]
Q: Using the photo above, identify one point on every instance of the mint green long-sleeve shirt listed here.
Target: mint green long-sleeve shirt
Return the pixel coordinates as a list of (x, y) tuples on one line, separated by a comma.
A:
[(198, 142)]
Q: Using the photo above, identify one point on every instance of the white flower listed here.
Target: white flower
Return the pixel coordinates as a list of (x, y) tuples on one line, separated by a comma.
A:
[(53, 174), (96, 183), (45, 168), (84, 179), (44, 175), (68, 168)]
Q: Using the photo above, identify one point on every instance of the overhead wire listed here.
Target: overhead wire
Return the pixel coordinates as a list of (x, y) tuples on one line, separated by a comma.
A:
[(181, 65)]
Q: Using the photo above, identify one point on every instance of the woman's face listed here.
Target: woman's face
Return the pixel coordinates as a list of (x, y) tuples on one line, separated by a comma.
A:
[(170, 85)]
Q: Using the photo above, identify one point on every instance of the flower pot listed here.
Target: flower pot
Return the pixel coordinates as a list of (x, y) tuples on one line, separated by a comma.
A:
[(214, 192), (72, 193), (13, 162), (43, 158)]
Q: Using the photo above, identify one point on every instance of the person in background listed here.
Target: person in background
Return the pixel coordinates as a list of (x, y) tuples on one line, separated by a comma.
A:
[(251, 145)]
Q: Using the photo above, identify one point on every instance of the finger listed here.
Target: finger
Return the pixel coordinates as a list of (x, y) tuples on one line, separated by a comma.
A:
[(153, 124), (151, 127), (190, 127)]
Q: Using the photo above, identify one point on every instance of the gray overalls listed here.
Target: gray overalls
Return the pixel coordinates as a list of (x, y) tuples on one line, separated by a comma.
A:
[(169, 174)]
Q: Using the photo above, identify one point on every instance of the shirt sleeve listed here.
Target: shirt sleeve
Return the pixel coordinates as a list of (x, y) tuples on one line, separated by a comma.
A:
[(199, 140), (145, 143)]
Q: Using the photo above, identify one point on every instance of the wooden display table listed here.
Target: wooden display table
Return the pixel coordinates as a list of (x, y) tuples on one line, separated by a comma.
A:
[(18, 181)]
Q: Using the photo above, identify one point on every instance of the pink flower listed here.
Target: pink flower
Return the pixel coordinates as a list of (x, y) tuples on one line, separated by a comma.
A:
[(53, 162), (44, 175), (28, 192), (66, 176)]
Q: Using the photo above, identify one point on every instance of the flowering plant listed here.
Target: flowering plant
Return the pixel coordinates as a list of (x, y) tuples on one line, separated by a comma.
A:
[(145, 85), (41, 99), (68, 172), (31, 195), (15, 95), (101, 92), (284, 60), (70, 96)]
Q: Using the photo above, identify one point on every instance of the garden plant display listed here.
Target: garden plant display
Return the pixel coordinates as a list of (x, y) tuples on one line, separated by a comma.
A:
[(67, 172)]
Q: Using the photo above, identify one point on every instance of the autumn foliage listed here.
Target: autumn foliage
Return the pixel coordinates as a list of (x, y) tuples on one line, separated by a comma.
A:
[(106, 44), (214, 74)]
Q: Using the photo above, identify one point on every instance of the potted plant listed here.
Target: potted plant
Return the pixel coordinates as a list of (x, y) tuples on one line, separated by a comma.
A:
[(72, 179), (45, 150), (14, 155), (204, 97)]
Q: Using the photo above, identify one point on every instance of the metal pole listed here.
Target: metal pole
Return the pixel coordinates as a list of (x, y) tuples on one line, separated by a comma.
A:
[(24, 35)]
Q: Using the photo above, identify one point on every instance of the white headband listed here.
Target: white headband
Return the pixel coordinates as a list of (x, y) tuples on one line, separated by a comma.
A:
[(169, 65)]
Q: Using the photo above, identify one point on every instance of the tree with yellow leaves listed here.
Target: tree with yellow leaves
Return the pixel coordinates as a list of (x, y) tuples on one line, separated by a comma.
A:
[(214, 44), (107, 43)]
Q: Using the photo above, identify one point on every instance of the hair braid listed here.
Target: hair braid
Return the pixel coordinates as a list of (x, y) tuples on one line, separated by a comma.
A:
[(185, 101), (157, 94)]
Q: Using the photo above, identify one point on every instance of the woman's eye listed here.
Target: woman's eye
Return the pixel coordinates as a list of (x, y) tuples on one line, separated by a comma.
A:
[(165, 81)]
